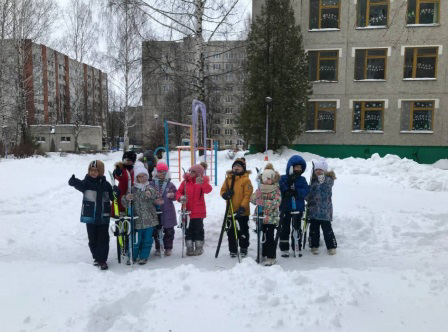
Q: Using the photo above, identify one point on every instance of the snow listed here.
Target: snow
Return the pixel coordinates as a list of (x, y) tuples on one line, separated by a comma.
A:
[(389, 274)]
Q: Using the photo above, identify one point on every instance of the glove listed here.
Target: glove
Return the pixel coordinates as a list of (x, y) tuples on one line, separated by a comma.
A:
[(183, 200), (72, 181), (290, 193), (240, 211), (118, 171), (129, 197), (116, 191), (199, 180), (292, 178), (228, 194)]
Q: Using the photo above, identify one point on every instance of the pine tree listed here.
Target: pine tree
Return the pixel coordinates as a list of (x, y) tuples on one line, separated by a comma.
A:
[(277, 67)]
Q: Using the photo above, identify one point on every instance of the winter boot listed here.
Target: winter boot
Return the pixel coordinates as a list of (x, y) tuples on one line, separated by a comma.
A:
[(285, 253), (157, 253), (199, 248), (269, 262), (243, 252), (103, 266), (332, 251), (190, 248), (233, 254), (315, 251), (142, 261), (95, 263), (168, 252)]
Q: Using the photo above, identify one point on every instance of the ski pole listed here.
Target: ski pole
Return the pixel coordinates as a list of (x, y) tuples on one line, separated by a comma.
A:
[(223, 227), (235, 230)]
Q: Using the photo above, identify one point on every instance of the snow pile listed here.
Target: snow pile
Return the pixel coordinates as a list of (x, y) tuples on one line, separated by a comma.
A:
[(389, 273)]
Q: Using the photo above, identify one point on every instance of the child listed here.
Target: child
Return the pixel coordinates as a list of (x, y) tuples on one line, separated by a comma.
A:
[(144, 197), (124, 173), (268, 196), (320, 207), (97, 194), (150, 161), (191, 192), (167, 219), (293, 187), (240, 196)]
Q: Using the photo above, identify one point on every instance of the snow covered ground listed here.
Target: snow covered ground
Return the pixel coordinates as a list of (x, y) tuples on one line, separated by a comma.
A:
[(389, 274)]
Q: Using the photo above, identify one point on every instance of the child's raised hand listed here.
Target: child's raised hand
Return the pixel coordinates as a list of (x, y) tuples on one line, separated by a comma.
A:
[(129, 197), (199, 179), (148, 193)]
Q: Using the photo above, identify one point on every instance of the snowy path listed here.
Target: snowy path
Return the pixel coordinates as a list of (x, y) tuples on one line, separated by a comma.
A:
[(390, 272)]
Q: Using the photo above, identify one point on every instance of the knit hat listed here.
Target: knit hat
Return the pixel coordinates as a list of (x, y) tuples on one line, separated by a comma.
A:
[(241, 162), (140, 169), (321, 164), (198, 169), (268, 173), (162, 167), (98, 164), (130, 155)]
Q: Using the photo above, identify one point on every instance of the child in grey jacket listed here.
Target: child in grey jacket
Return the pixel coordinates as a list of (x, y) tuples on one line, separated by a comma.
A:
[(144, 197), (320, 207)]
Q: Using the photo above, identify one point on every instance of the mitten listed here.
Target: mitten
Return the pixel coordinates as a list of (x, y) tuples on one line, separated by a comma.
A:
[(228, 194), (240, 211), (72, 181)]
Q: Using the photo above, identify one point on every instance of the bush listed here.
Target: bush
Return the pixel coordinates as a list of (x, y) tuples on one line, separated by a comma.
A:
[(27, 147)]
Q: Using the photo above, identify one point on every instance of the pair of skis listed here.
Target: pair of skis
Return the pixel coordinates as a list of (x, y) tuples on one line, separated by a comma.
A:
[(184, 217)]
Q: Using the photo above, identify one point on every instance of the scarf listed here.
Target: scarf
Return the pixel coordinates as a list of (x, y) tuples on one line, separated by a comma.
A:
[(141, 186), (268, 188)]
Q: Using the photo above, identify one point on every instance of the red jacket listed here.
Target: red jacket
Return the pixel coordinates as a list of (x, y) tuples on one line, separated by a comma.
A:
[(123, 181), (195, 195)]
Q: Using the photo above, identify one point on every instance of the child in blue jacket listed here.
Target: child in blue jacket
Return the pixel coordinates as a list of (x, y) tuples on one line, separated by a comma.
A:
[(320, 207), (95, 212), (293, 187)]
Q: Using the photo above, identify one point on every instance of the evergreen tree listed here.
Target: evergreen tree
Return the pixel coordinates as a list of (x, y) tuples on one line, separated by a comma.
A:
[(277, 67)]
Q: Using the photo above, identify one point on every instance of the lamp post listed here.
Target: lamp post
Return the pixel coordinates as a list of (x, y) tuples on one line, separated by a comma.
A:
[(268, 102)]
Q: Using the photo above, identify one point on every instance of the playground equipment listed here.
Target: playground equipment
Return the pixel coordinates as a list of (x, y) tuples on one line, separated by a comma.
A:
[(212, 147)]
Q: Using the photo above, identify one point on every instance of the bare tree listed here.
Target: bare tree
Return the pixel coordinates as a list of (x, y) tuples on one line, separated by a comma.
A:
[(126, 27), (22, 21)]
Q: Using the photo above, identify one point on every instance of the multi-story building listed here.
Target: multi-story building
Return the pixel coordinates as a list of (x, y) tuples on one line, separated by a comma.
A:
[(167, 65), (58, 89), (378, 70)]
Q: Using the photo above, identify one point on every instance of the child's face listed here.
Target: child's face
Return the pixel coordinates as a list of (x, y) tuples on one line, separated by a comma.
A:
[(193, 173), (142, 178), (128, 161), (319, 172), (268, 181), (161, 175), (297, 168), (237, 168), (93, 172)]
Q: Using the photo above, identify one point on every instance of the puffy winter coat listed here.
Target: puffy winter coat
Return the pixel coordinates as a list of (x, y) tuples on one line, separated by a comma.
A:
[(320, 205), (242, 190), (144, 207), (195, 195), (300, 185), (269, 198), (97, 194), (168, 210), (123, 184)]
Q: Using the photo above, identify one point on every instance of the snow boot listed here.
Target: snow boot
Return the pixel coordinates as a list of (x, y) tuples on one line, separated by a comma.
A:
[(199, 248), (157, 253), (168, 252), (285, 253), (95, 263), (332, 251), (190, 247), (315, 251), (128, 262), (243, 252), (233, 254), (103, 266), (269, 262), (142, 261)]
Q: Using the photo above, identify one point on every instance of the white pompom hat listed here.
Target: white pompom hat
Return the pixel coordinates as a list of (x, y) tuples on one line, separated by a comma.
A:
[(321, 164)]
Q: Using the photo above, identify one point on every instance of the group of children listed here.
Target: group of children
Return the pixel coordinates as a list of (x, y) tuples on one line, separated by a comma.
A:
[(146, 186)]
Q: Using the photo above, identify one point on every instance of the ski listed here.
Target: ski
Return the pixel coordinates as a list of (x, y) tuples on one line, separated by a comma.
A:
[(296, 229), (236, 228), (305, 215), (223, 227), (184, 217)]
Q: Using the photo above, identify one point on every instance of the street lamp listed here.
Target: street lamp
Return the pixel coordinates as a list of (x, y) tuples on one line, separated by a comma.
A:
[(268, 102)]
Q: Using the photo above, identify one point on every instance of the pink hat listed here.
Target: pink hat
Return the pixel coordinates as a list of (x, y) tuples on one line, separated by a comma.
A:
[(162, 167), (198, 169)]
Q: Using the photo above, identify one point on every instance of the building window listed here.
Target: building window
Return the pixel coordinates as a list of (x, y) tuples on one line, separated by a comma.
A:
[(217, 121), (372, 13), (228, 110), (65, 139), (229, 66), (229, 55), (324, 14), (228, 121), (423, 11), (216, 132), (228, 132), (41, 139), (217, 56), (370, 64), (368, 115), (417, 115), (420, 62), (239, 142), (216, 66), (229, 76), (229, 99), (321, 115), (228, 142), (323, 66)]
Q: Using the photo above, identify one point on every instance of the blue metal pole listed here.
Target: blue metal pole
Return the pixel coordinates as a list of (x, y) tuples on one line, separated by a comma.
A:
[(167, 151)]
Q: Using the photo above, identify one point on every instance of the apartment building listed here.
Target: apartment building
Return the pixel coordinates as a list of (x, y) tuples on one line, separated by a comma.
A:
[(378, 70), (165, 63)]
